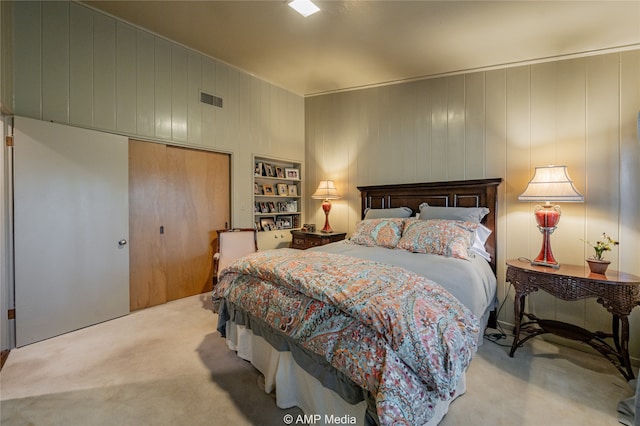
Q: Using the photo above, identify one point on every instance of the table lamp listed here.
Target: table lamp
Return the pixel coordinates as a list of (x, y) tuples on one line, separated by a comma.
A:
[(549, 184), (326, 191)]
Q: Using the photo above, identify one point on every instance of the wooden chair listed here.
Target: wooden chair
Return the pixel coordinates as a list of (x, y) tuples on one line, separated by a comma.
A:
[(233, 244)]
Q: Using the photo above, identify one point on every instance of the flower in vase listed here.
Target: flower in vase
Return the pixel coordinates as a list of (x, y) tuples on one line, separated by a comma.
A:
[(603, 244)]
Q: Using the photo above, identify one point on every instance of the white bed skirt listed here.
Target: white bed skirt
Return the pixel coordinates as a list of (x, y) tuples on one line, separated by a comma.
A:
[(294, 387)]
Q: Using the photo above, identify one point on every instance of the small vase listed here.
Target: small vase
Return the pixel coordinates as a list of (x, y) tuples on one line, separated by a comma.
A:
[(598, 266)]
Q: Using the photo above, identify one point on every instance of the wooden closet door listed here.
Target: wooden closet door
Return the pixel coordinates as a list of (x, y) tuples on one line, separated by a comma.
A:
[(178, 199), (147, 186), (197, 204)]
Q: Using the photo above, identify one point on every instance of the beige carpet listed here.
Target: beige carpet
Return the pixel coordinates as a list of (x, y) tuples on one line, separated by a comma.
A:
[(167, 366)]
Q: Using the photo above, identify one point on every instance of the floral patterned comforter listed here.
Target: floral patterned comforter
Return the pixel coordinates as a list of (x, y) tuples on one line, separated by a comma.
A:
[(401, 336)]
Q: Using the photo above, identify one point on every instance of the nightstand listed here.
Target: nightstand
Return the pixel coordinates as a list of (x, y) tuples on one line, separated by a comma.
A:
[(303, 240), (616, 291)]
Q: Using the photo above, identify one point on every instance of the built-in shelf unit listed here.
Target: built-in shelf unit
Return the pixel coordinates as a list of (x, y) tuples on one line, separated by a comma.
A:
[(277, 199)]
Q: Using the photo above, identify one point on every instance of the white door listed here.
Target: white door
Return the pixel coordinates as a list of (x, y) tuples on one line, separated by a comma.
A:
[(71, 224)]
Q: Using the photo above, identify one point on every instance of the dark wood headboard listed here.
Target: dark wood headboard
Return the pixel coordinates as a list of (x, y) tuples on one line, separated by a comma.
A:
[(461, 193)]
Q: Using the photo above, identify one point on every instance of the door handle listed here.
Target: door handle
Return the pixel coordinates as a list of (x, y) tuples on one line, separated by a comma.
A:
[(122, 242)]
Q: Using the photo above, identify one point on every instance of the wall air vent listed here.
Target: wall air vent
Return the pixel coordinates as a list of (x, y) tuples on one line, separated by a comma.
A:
[(206, 98)]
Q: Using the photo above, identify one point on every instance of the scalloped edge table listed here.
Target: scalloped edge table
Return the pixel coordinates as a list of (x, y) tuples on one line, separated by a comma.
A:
[(617, 292)]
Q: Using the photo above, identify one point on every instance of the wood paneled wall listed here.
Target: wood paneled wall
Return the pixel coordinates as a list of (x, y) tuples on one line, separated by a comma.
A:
[(500, 123), (78, 66)]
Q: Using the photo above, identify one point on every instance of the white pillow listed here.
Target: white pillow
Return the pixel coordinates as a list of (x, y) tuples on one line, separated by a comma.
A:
[(482, 234)]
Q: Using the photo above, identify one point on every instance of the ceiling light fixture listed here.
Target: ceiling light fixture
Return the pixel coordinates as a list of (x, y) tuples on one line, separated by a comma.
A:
[(304, 7)]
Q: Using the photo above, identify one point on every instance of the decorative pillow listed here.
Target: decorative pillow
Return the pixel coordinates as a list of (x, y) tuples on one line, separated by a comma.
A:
[(467, 214), (449, 238), (378, 232), (398, 212)]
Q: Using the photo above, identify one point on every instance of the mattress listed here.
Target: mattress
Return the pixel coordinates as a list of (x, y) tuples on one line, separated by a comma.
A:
[(470, 281)]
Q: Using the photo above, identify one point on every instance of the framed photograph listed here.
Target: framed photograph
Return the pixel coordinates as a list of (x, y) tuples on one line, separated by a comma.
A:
[(267, 189), (287, 222), (293, 190), (264, 208), (272, 207), (292, 173), (292, 206), (259, 170), (257, 226), (267, 224), (309, 227), (279, 172), (269, 170), (282, 189), (282, 207), (256, 189), (256, 208)]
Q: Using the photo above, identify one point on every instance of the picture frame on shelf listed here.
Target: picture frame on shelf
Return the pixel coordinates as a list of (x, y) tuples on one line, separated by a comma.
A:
[(264, 208), (279, 172), (287, 222), (292, 190), (272, 207), (257, 226), (291, 173), (267, 189), (269, 170), (282, 189), (267, 224), (292, 206), (259, 169), (256, 189)]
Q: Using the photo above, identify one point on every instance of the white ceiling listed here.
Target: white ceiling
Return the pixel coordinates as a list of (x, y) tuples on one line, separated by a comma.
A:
[(352, 44)]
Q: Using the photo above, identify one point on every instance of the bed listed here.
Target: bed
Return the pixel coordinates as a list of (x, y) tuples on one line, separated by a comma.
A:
[(371, 330)]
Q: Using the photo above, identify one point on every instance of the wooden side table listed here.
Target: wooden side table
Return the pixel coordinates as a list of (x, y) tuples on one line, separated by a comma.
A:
[(618, 292), (303, 240)]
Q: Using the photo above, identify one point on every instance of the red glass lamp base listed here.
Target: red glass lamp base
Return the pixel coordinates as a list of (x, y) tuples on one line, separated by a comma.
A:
[(545, 257), (547, 217), (326, 207)]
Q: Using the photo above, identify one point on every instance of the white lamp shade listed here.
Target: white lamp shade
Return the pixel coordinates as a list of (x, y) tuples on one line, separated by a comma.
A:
[(326, 191), (551, 183)]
